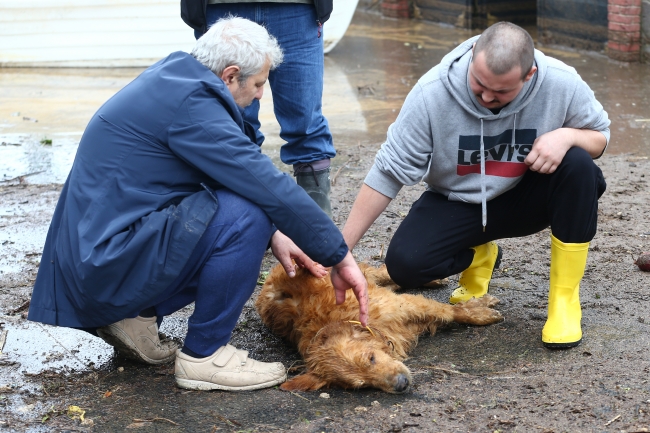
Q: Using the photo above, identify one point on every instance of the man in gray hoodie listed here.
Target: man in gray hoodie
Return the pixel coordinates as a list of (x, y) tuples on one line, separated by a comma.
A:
[(505, 138)]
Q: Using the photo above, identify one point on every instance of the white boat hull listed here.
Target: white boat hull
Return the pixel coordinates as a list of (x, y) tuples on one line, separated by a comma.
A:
[(339, 21), (110, 33), (90, 33)]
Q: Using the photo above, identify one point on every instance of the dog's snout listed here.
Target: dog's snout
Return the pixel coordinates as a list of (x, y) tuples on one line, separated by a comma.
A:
[(402, 383)]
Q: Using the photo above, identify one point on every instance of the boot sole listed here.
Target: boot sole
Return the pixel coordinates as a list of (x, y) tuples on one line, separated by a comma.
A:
[(126, 347), (200, 385), (561, 345)]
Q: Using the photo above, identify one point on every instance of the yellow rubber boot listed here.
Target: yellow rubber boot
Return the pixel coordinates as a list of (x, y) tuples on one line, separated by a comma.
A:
[(562, 329), (475, 280)]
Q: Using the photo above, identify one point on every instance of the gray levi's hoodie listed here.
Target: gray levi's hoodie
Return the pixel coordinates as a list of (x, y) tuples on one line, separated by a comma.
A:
[(441, 130)]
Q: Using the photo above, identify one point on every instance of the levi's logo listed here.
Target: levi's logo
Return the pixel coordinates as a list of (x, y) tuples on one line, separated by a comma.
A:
[(502, 158)]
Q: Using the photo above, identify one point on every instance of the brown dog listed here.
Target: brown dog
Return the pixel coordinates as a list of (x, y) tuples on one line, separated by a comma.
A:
[(337, 350)]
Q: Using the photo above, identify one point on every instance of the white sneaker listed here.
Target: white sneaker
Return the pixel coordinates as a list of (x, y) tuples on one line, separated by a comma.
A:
[(227, 369), (138, 339)]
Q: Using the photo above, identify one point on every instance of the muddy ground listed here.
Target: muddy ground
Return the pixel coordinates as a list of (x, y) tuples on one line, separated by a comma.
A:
[(497, 378)]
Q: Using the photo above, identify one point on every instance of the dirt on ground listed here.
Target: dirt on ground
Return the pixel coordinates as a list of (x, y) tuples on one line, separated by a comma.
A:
[(476, 379)]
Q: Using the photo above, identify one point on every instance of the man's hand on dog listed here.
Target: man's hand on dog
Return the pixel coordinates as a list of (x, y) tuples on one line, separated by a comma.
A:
[(287, 252), (347, 275)]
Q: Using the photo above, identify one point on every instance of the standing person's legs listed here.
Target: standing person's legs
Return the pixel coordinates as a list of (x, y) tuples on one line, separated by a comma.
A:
[(297, 87), (297, 90)]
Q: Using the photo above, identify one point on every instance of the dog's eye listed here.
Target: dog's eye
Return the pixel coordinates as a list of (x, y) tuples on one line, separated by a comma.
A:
[(372, 358)]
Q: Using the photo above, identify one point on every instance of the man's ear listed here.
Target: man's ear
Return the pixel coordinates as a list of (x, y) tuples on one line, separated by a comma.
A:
[(304, 382), (530, 74), (230, 74)]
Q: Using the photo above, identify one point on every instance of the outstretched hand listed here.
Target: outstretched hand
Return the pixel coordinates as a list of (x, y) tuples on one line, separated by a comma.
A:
[(287, 252), (346, 275)]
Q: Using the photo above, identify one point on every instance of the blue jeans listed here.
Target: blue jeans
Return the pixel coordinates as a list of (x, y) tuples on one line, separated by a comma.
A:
[(297, 84), (221, 274)]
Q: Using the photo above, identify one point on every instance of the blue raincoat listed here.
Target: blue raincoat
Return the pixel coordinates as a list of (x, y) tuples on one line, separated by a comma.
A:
[(138, 197)]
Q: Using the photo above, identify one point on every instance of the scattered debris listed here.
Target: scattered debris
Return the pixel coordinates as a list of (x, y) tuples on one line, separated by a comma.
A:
[(643, 262), (156, 419), (21, 308), (22, 177), (612, 420), (75, 412), (230, 422), (366, 90)]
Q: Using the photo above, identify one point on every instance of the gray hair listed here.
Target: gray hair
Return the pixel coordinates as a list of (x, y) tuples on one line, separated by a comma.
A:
[(235, 41), (506, 46)]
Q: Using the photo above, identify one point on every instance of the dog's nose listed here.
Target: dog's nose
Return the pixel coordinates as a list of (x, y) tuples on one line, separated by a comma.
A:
[(402, 383)]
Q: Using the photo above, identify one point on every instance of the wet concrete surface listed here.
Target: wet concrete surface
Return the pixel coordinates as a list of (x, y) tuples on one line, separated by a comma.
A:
[(367, 78)]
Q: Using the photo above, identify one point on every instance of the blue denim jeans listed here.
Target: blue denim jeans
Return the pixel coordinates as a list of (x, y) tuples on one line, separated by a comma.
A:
[(221, 274), (297, 84)]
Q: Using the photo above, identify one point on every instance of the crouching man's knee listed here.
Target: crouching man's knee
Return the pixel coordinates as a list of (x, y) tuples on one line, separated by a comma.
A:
[(404, 269)]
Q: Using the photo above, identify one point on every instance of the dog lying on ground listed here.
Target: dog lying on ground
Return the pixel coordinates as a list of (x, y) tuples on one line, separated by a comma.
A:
[(337, 350)]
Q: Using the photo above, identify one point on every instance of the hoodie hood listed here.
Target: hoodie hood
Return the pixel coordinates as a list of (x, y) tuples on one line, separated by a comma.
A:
[(454, 75)]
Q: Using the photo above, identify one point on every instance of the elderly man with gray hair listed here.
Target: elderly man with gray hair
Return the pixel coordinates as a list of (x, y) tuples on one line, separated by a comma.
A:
[(169, 202)]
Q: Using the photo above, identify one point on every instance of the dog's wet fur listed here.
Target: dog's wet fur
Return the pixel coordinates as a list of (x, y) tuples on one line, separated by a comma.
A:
[(338, 351)]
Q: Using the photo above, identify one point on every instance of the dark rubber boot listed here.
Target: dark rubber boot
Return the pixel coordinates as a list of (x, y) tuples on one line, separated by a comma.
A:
[(317, 185)]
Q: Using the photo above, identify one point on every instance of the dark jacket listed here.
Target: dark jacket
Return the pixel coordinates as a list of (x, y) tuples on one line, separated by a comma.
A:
[(193, 12), (133, 207)]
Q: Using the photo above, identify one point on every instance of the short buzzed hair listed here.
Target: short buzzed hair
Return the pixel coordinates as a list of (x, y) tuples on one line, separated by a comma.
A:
[(506, 46)]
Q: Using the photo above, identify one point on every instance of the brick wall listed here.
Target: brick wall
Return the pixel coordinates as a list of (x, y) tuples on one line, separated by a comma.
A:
[(624, 30), (396, 8), (645, 31)]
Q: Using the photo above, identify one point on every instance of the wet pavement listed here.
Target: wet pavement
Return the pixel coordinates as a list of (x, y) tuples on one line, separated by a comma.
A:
[(367, 76)]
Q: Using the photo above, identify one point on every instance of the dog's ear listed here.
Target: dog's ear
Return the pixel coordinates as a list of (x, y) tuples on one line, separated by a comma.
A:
[(304, 382)]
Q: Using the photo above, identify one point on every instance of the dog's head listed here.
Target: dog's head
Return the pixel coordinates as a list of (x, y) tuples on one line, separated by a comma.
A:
[(348, 355)]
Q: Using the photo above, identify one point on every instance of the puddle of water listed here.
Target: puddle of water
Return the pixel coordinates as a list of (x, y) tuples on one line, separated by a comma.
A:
[(39, 347), (36, 347), (25, 155), (23, 232)]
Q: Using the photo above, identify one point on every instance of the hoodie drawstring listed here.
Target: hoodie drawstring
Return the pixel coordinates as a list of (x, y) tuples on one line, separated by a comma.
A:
[(483, 180), (483, 193)]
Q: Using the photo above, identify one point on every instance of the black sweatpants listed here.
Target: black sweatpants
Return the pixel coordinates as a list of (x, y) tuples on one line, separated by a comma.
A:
[(435, 239)]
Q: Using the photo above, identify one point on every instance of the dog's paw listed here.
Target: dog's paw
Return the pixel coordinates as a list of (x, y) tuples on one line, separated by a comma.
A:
[(482, 316), (490, 301), (484, 301), (494, 316)]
